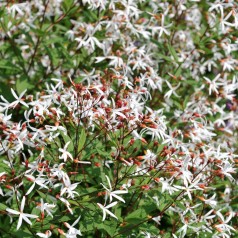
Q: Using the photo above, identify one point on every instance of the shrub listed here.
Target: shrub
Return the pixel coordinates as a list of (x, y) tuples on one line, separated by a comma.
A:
[(118, 118)]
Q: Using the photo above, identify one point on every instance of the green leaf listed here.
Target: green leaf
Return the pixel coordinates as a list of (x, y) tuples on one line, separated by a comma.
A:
[(53, 54), (6, 65), (43, 195), (108, 226), (73, 202), (136, 216), (177, 104), (167, 235), (46, 196), (160, 148), (191, 82), (24, 234), (6, 93), (88, 224), (159, 44), (164, 200), (64, 218), (90, 15), (173, 52), (165, 57), (66, 140), (82, 140), (2, 207), (54, 40), (21, 85), (101, 152), (178, 72), (186, 101), (67, 4)]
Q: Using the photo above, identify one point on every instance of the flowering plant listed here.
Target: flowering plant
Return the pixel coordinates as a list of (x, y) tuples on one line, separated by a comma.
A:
[(118, 118)]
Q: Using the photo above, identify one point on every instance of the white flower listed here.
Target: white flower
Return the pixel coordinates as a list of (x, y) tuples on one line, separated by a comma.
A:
[(69, 188), (166, 186), (39, 180), (227, 169), (208, 216), (157, 219), (17, 9), (223, 226), (161, 29), (18, 99), (211, 201), (149, 158), (106, 211), (22, 215), (47, 234), (116, 61), (171, 91), (112, 193), (73, 231), (66, 203), (193, 186), (65, 153), (213, 85), (70, 34), (46, 207), (224, 22)]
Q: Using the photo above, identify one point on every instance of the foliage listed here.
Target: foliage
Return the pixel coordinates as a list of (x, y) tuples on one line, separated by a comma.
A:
[(118, 118)]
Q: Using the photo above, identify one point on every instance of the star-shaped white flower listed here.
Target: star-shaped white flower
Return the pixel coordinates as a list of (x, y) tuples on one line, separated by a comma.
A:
[(106, 211), (112, 193), (73, 232), (18, 99), (21, 214), (65, 153)]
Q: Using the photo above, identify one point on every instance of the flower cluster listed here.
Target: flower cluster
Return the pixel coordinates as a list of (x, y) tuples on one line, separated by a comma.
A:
[(119, 118)]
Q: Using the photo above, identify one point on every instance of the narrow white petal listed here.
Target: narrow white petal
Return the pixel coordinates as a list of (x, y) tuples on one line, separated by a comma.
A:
[(30, 189), (14, 94), (26, 219), (23, 103), (117, 197), (111, 214), (76, 221), (104, 214), (12, 211), (111, 205), (30, 215), (21, 95), (19, 222), (109, 183), (23, 203)]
